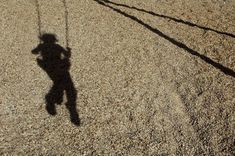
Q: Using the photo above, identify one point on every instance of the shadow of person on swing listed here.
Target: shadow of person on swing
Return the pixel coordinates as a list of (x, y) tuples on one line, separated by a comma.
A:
[(55, 61)]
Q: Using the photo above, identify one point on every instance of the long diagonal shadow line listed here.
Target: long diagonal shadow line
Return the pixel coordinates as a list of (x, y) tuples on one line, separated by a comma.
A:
[(171, 18), (222, 68)]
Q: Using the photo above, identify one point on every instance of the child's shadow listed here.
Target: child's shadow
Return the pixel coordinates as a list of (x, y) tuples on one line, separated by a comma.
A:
[(54, 60)]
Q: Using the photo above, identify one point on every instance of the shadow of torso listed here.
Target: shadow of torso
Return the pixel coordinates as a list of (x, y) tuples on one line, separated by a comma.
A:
[(54, 60)]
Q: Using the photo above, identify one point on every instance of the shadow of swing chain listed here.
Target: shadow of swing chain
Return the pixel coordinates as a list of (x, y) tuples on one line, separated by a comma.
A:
[(66, 23), (219, 66)]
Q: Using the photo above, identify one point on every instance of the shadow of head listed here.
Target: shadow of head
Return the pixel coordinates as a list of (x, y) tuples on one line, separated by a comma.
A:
[(48, 38)]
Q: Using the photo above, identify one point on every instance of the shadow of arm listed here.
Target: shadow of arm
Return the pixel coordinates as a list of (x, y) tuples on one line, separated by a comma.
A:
[(67, 52), (36, 50)]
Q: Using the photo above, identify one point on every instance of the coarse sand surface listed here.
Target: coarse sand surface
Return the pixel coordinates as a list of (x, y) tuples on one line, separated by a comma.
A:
[(151, 78)]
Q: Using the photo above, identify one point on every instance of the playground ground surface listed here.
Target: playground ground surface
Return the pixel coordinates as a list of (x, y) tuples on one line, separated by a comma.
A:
[(152, 77)]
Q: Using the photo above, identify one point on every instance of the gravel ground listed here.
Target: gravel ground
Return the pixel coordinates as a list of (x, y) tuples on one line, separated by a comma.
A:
[(152, 77)]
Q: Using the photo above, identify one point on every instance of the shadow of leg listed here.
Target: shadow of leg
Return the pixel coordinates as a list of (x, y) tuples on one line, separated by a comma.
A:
[(52, 98), (74, 118), (59, 92), (71, 94), (50, 105)]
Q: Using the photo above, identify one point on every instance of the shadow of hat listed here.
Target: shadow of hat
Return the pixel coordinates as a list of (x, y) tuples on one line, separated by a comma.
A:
[(48, 38)]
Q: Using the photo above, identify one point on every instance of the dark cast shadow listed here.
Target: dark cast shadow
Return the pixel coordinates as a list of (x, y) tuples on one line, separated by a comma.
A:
[(171, 18), (55, 61), (179, 44)]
